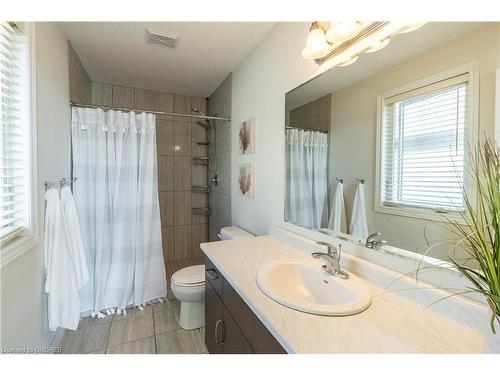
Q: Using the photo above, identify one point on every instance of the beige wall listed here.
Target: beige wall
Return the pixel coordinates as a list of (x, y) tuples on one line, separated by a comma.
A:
[(354, 125), (259, 86), (23, 303)]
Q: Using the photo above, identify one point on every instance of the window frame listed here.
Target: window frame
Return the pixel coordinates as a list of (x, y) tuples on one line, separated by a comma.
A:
[(19, 242), (470, 68)]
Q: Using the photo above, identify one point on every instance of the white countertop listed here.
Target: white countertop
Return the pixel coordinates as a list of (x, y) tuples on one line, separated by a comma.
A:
[(392, 324)]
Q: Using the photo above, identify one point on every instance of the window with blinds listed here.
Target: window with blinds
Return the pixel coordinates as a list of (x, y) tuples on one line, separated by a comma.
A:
[(14, 133), (424, 143)]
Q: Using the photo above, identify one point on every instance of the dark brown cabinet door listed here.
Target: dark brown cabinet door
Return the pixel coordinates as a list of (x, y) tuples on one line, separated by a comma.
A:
[(213, 319), (234, 340)]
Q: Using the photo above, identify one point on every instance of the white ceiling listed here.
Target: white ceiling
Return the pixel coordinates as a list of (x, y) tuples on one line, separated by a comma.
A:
[(401, 48), (206, 53)]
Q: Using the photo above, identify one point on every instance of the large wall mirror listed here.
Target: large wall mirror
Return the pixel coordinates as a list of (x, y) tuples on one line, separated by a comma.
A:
[(382, 145)]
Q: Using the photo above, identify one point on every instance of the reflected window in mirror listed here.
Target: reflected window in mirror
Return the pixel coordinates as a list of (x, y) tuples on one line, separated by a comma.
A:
[(423, 145)]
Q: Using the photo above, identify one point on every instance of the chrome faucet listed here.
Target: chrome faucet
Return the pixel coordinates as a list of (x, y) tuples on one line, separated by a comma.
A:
[(374, 241), (332, 259)]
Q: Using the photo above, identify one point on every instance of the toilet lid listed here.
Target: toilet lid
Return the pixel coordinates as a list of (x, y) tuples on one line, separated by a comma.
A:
[(190, 275)]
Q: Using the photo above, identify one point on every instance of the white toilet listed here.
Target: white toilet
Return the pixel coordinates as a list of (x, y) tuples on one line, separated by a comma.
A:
[(188, 285)]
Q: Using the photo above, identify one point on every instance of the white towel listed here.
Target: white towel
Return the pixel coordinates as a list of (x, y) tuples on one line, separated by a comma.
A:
[(61, 282), (75, 237), (358, 226), (338, 220)]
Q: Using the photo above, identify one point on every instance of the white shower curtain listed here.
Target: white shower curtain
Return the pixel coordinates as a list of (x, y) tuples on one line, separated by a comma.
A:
[(114, 159), (306, 178)]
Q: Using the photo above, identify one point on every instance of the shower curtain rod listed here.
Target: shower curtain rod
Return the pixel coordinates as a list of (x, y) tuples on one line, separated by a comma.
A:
[(105, 107)]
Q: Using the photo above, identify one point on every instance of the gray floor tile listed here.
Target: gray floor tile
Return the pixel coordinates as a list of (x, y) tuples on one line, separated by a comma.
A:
[(133, 313), (86, 340), (92, 322), (102, 351), (180, 342), (143, 346), (166, 305), (132, 329), (166, 321)]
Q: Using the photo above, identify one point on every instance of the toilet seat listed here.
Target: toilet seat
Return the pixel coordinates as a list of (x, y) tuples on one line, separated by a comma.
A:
[(190, 276)]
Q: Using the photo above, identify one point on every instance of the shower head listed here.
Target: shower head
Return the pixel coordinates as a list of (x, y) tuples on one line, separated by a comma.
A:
[(196, 110), (204, 124)]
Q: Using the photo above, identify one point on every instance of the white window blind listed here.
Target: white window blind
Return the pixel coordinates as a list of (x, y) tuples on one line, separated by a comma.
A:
[(14, 123), (424, 146)]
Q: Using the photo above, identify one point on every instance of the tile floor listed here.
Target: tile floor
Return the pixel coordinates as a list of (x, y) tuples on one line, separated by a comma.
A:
[(154, 330)]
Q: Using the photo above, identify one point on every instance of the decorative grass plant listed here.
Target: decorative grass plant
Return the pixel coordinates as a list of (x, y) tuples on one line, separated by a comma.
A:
[(479, 230)]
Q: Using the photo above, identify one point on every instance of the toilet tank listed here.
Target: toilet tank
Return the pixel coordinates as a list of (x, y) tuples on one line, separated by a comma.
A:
[(234, 233)]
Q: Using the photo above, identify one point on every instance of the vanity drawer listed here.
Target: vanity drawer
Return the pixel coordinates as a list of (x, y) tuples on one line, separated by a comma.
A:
[(261, 340), (213, 276)]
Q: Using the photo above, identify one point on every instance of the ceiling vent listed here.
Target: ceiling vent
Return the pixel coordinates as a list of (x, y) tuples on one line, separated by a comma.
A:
[(162, 39)]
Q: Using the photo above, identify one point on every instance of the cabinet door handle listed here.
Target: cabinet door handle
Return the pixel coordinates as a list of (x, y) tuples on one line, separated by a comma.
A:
[(216, 333), (212, 274)]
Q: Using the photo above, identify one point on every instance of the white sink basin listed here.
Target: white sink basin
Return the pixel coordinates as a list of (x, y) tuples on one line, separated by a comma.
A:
[(303, 285)]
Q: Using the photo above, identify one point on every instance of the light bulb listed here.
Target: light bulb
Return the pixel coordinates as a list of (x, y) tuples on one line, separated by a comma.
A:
[(316, 45), (378, 45), (339, 32)]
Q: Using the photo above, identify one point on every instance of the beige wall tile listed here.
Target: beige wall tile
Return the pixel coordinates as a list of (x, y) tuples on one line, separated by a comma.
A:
[(166, 173), (167, 235), (166, 208), (199, 175), (182, 104), (199, 234), (164, 137), (76, 69), (123, 97), (101, 93), (79, 91), (199, 200), (199, 103), (198, 134), (164, 102), (144, 99), (182, 138), (182, 172), (182, 203), (182, 239)]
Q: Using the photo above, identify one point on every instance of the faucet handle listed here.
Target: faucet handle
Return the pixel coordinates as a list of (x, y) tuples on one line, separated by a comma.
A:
[(332, 250), (373, 237)]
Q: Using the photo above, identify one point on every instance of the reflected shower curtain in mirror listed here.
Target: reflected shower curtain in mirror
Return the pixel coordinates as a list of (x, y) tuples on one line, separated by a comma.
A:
[(114, 159), (306, 178)]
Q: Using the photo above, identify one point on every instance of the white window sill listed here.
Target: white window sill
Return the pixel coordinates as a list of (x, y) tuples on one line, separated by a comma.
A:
[(15, 248), (419, 213)]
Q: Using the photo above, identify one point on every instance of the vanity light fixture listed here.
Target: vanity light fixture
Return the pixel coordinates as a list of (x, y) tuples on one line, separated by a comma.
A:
[(378, 45), (343, 42), (316, 44)]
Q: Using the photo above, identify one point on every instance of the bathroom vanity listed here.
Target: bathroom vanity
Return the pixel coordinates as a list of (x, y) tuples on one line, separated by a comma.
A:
[(240, 318), (230, 325)]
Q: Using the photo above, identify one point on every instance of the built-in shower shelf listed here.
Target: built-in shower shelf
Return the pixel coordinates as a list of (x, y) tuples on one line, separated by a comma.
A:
[(203, 143), (201, 160), (201, 211), (200, 189)]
